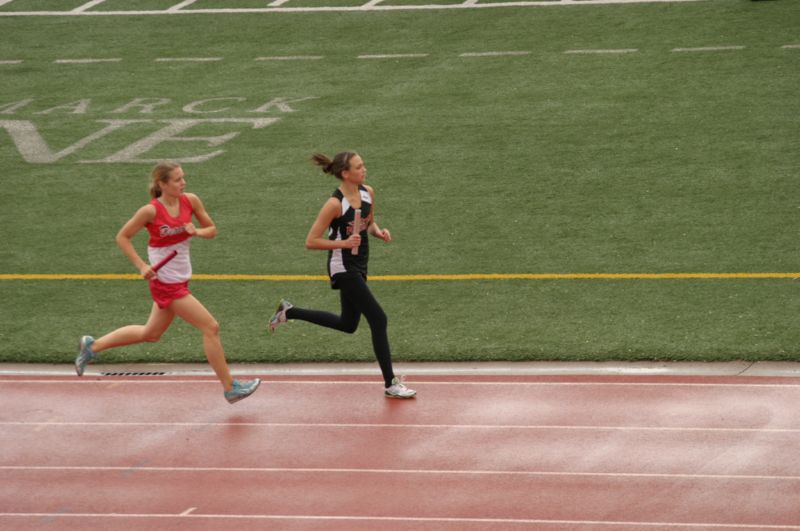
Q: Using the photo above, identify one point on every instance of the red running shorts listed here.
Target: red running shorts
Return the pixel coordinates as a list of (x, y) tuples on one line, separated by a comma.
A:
[(164, 294)]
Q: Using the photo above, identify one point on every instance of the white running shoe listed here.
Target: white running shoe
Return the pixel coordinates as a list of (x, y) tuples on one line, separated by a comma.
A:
[(398, 390), (280, 315)]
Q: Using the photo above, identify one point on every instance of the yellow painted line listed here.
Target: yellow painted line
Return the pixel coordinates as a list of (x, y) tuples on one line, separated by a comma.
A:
[(405, 278)]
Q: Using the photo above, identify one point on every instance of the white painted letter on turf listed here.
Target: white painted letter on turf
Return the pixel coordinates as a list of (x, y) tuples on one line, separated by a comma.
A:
[(76, 107), (193, 107), (281, 104), (11, 108), (33, 147), (145, 104), (170, 134)]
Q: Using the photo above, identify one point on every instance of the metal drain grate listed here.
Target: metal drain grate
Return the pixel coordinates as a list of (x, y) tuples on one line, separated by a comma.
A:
[(132, 373)]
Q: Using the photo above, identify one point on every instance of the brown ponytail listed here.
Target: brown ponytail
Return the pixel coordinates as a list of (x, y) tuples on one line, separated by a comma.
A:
[(160, 174), (335, 167)]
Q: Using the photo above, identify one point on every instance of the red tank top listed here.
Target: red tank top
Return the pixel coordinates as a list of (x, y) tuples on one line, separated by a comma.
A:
[(166, 230)]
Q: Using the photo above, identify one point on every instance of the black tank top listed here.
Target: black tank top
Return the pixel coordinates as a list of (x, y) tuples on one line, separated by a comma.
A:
[(343, 261)]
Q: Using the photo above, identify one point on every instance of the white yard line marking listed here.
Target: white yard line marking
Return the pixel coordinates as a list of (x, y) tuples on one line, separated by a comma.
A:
[(277, 3), (470, 2), (371, 3), (493, 54), (392, 56), (290, 58), (178, 7), (187, 59), (789, 46), (410, 471), (10, 62), (4, 2), (543, 427), (601, 51), (383, 519), (85, 61), (709, 49), (87, 6)]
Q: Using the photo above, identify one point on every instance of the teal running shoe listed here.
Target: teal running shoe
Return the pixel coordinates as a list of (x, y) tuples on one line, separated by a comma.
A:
[(85, 354), (242, 390)]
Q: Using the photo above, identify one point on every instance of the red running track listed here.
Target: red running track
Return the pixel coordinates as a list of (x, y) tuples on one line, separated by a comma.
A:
[(329, 452)]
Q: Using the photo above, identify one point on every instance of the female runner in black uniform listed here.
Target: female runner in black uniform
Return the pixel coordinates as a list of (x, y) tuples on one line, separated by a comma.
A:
[(348, 270)]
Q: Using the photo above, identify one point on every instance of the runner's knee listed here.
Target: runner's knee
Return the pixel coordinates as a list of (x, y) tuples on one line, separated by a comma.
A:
[(152, 337), (212, 328)]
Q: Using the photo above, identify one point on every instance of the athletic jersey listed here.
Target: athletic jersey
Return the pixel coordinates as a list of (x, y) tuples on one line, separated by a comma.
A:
[(167, 234), (343, 260)]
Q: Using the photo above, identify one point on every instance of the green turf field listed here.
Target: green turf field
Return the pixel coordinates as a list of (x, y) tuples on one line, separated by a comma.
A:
[(593, 139)]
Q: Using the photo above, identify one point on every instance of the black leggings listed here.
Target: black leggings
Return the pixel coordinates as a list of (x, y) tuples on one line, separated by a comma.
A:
[(356, 299)]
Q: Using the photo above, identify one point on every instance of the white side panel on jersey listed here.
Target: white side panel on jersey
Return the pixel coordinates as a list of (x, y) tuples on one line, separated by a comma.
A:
[(337, 263), (179, 269)]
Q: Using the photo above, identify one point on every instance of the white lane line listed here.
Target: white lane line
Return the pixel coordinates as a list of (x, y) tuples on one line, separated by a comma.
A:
[(188, 511), (87, 6), (709, 49), (493, 54), (392, 56), (601, 51), (85, 61), (39, 425), (340, 383), (384, 519), (290, 58), (178, 7), (10, 62), (411, 471), (187, 59)]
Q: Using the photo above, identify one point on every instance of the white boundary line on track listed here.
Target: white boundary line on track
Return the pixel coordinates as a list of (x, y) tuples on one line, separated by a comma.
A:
[(89, 378), (401, 519), (345, 425), (413, 471)]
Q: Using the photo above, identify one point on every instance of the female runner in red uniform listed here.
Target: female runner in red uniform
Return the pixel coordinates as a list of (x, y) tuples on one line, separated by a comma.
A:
[(168, 219)]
